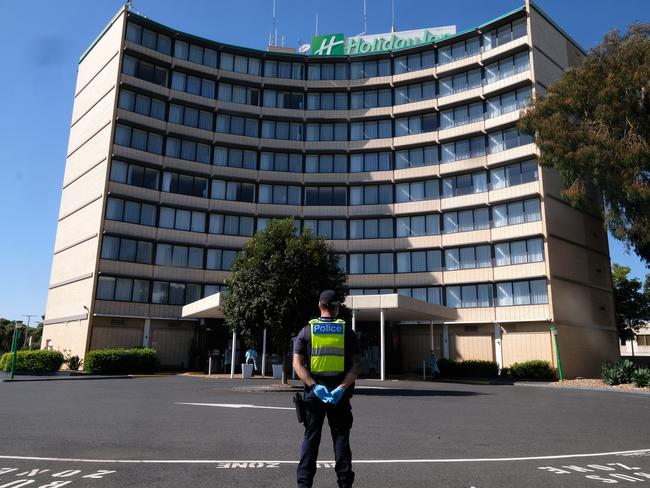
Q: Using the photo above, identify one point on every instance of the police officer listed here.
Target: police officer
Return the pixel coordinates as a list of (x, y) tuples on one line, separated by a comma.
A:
[(326, 357)]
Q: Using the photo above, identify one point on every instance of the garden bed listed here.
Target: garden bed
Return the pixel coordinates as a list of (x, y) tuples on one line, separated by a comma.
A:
[(600, 385)]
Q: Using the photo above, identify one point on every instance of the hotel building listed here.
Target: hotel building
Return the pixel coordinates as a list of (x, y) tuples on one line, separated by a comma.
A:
[(407, 161)]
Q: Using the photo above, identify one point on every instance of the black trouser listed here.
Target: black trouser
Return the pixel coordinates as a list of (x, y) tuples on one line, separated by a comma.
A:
[(339, 417)]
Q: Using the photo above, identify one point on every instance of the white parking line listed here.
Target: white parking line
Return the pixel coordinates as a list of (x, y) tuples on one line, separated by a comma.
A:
[(233, 405), (356, 461)]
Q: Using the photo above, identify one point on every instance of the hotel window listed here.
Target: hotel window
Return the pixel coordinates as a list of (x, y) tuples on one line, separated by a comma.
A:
[(371, 228), (213, 289), (263, 223), (231, 225), (179, 256), (505, 34), (193, 85), (145, 71), (507, 139), (362, 162), (166, 293), (465, 114), (417, 124), (416, 191), (138, 139), (235, 158), (463, 149), (238, 94), (176, 218), (370, 99), (416, 157), (467, 80), (508, 102), (415, 93), (195, 54), (468, 257), (327, 101), (240, 64), (191, 117), (516, 213), (148, 38), (528, 292), (286, 70), (469, 296), (327, 229), (376, 129), (233, 191), (284, 99), (371, 263), (327, 132), (415, 62), (135, 175), (327, 71), (455, 186), (131, 212), (240, 126), (130, 250), (513, 174), (281, 162), (142, 104), (291, 131), (418, 225), (419, 261), (326, 163), (279, 194), (459, 50), (371, 195), (220, 259), (122, 289), (507, 67), (466, 220), (185, 184), (325, 195), (431, 294), (519, 252), (370, 69), (188, 150)]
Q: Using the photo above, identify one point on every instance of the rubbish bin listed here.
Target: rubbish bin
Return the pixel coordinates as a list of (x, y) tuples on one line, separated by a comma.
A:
[(277, 371), (246, 371)]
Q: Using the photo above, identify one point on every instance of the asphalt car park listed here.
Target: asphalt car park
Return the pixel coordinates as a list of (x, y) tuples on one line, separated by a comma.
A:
[(197, 431)]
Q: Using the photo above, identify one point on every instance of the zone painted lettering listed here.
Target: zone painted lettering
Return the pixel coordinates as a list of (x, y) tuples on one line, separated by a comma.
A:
[(551, 469), (55, 484), (598, 478), (99, 474)]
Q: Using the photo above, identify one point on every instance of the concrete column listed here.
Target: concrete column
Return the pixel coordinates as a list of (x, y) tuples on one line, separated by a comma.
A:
[(382, 347), (147, 333), (232, 355), (264, 353), (445, 341), (498, 350), (431, 334), (354, 320)]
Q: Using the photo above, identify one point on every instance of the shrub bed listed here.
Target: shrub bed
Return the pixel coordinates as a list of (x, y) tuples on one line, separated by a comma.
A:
[(619, 372), (38, 361), (121, 361), (536, 370), (641, 377), (468, 369)]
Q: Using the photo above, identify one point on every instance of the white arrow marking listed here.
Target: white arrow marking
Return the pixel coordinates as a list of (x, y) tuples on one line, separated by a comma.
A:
[(234, 405)]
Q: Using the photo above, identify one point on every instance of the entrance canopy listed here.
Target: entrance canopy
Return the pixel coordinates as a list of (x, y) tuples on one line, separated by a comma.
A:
[(397, 308), (209, 307)]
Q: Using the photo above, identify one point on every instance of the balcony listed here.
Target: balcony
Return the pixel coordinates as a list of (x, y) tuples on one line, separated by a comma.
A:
[(489, 55), (465, 164), (472, 59), (514, 192), (516, 231), (519, 271), (472, 127), (470, 200), (474, 275), (460, 96), (426, 74), (465, 238), (429, 105), (524, 313), (519, 152)]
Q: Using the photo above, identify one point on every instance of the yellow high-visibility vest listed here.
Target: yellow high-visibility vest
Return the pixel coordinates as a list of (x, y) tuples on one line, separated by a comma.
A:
[(327, 347)]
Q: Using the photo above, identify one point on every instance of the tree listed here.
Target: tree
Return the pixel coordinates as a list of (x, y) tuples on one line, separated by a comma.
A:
[(632, 301), (275, 284), (593, 127)]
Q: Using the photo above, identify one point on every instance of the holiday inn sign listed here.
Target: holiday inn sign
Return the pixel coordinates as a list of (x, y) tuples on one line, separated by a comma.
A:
[(338, 45)]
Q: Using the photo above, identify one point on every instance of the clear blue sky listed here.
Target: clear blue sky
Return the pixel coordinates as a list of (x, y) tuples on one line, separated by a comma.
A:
[(43, 41)]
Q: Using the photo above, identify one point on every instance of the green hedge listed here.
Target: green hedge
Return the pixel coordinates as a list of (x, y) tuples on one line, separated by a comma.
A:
[(38, 361), (121, 361), (468, 369), (530, 370), (619, 372)]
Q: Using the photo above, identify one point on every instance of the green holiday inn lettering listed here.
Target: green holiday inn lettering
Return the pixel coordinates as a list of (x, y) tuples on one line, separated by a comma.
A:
[(338, 45)]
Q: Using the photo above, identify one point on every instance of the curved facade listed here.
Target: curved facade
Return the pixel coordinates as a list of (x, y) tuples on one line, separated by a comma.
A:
[(409, 163)]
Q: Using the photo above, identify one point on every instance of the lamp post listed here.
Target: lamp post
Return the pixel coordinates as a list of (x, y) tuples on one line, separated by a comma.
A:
[(14, 346), (557, 352)]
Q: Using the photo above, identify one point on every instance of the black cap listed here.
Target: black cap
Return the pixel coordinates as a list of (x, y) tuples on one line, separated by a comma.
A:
[(328, 298)]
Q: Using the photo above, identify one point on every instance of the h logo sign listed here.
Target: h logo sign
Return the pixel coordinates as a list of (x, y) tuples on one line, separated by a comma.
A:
[(328, 45)]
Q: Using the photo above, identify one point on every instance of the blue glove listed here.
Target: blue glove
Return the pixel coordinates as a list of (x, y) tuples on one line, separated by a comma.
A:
[(322, 393), (336, 394)]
